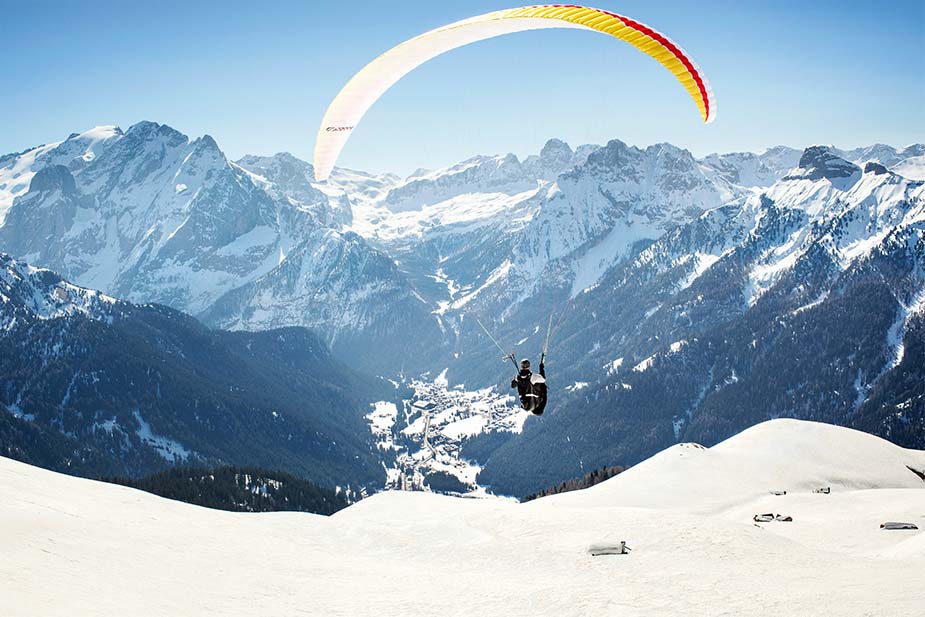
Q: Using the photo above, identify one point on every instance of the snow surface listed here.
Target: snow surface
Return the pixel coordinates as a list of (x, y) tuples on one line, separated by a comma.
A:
[(79, 547), (167, 448), (912, 168), (614, 366), (644, 365)]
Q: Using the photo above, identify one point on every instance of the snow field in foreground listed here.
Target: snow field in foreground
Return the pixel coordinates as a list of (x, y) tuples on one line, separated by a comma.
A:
[(74, 546)]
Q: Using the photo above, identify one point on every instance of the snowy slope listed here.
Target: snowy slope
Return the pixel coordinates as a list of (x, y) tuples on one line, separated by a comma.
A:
[(777, 455), (912, 168), (419, 554)]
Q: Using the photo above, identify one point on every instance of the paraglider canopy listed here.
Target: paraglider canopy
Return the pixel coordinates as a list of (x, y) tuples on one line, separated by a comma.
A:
[(365, 88)]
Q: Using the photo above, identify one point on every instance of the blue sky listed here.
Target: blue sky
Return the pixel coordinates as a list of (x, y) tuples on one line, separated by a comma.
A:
[(258, 76)]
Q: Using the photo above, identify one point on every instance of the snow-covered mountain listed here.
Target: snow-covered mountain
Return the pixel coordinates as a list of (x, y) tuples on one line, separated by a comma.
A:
[(490, 238), (483, 241), (144, 215), (485, 175), (96, 386), (754, 170), (686, 514), (286, 178), (805, 300), (28, 294), (150, 216), (620, 197), (78, 150)]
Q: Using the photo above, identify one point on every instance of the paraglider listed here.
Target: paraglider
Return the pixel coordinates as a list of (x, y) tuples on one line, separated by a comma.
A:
[(370, 83), (531, 388), (365, 88)]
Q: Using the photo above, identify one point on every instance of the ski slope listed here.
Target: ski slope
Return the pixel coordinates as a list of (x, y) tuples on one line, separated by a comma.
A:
[(78, 547)]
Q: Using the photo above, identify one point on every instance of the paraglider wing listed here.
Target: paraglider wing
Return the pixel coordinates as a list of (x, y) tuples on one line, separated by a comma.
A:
[(378, 76)]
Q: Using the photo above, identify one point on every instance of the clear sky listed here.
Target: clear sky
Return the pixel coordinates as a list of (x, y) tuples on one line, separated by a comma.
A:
[(258, 76)]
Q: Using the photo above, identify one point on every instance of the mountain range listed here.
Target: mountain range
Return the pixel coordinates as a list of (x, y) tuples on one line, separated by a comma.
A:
[(101, 387), (804, 300), (686, 298)]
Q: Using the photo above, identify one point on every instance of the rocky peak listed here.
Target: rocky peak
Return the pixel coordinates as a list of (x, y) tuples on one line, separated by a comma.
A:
[(53, 178), (619, 162), (207, 142), (821, 162), (670, 158), (147, 131), (205, 150), (556, 151), (616, 155), (875, 168), (290, 177)]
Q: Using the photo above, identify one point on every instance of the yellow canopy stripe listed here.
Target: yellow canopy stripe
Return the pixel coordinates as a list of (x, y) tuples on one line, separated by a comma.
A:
[(643, 38)]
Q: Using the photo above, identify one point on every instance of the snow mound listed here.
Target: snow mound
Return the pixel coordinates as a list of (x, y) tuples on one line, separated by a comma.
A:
[(792, 455), (912, 546)]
